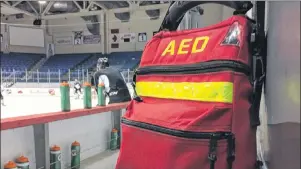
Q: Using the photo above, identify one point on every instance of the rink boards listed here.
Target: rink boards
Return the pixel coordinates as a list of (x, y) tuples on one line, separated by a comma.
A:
[(29, 101)]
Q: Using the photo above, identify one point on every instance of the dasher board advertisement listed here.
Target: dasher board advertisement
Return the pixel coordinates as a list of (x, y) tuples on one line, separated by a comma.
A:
[(91, 39), (78, 37), (127, 37), (63, 40), (142, 37), (50, 50)]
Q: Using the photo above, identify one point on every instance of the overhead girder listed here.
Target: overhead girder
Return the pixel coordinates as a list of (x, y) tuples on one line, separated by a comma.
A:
[(115, 6), (7, 3), (92, 3), (18, 9), (48, 6), (99, 5), (35, 11), (43, 13), (51, 10), (15, 4), (78, 6)]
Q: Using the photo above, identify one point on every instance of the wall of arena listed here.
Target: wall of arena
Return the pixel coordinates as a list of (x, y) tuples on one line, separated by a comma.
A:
[(63, 28), (24, 22), (213, 13)]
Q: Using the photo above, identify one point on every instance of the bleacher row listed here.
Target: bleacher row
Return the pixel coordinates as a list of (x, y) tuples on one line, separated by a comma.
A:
[(17, 64)]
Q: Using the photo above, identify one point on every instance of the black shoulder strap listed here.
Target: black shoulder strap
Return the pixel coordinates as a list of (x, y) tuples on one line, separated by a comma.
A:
[(136, 97), (177, 10), (258, 63)]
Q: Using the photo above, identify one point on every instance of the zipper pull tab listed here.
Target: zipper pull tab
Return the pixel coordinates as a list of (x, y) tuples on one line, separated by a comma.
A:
[(138, 99), (212, 151), (231, 151)]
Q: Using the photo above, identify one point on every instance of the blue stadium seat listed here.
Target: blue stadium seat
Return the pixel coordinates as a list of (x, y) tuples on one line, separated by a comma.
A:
[(118, 60), (17, 62), (63, 62)]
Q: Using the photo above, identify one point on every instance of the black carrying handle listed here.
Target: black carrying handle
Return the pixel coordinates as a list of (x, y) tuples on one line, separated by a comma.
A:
[(136, 97), (177, 10), (259, 64)]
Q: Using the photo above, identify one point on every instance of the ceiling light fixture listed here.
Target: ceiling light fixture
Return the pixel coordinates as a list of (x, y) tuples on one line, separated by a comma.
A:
[(42, 2)]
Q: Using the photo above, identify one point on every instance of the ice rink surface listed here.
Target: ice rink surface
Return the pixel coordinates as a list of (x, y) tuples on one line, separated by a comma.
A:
[(23, 105), (39, 103)]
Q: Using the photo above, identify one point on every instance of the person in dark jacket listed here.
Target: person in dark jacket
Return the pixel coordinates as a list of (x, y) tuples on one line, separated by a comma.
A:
[(77, 89), (115, 87), (2, 98)]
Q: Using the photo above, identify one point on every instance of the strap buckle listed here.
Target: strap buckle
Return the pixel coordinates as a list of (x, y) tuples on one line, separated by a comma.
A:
[(258, 77), (212, 151), (212, 157), (136, 97), (258, 164), (231, 151)]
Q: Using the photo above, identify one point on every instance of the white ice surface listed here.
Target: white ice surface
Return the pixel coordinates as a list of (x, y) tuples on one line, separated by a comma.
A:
[(24, 105), (29, 104)]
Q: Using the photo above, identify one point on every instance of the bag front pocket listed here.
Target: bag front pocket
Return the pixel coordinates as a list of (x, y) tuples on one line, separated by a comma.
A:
[(147, 146), (182, 115), (195, 97)]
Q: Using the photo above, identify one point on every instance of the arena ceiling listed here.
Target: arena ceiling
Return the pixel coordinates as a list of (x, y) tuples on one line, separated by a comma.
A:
[(40, 9)]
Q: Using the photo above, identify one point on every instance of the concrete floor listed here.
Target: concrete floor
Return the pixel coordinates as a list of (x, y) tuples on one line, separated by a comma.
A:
[(105, 160)]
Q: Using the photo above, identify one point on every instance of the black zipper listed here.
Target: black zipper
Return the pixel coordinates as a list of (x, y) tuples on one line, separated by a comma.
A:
[(178, 133), (203, 67), (213, 138)]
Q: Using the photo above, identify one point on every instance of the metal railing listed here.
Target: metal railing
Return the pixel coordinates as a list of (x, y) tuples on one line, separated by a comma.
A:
[(32, 78), (7, 79)]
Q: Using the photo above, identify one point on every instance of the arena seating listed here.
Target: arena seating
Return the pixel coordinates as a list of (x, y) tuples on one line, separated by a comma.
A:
[(63, 62), (89, 63), (124, 60), (119, 60), (18, 62), (59, 65)]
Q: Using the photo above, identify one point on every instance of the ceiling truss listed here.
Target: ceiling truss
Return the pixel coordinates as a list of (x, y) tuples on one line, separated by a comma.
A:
[(7, 3), (79, 7), (16, 3), (49, 5), (35, 9)]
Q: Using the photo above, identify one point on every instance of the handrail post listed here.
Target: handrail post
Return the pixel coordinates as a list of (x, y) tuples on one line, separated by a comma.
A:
[(59, 75), (14, 74), (26, 74), (128, 75), (1, 75), (69, 75), (38, 77), (115, 121), (83, 75), (87, 75), (42, 144), (48, 76), (78, 75)]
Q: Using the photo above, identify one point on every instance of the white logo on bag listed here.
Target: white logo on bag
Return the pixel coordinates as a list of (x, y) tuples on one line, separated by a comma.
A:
[(113, 93), (103, 60), (59, 157), (73, 153)]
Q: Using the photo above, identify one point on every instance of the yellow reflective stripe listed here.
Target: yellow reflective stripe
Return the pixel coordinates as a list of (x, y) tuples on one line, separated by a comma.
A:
[(197, 91)]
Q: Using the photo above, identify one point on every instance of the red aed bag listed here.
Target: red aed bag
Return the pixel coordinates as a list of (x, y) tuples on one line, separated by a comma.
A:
[(195, 99)]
